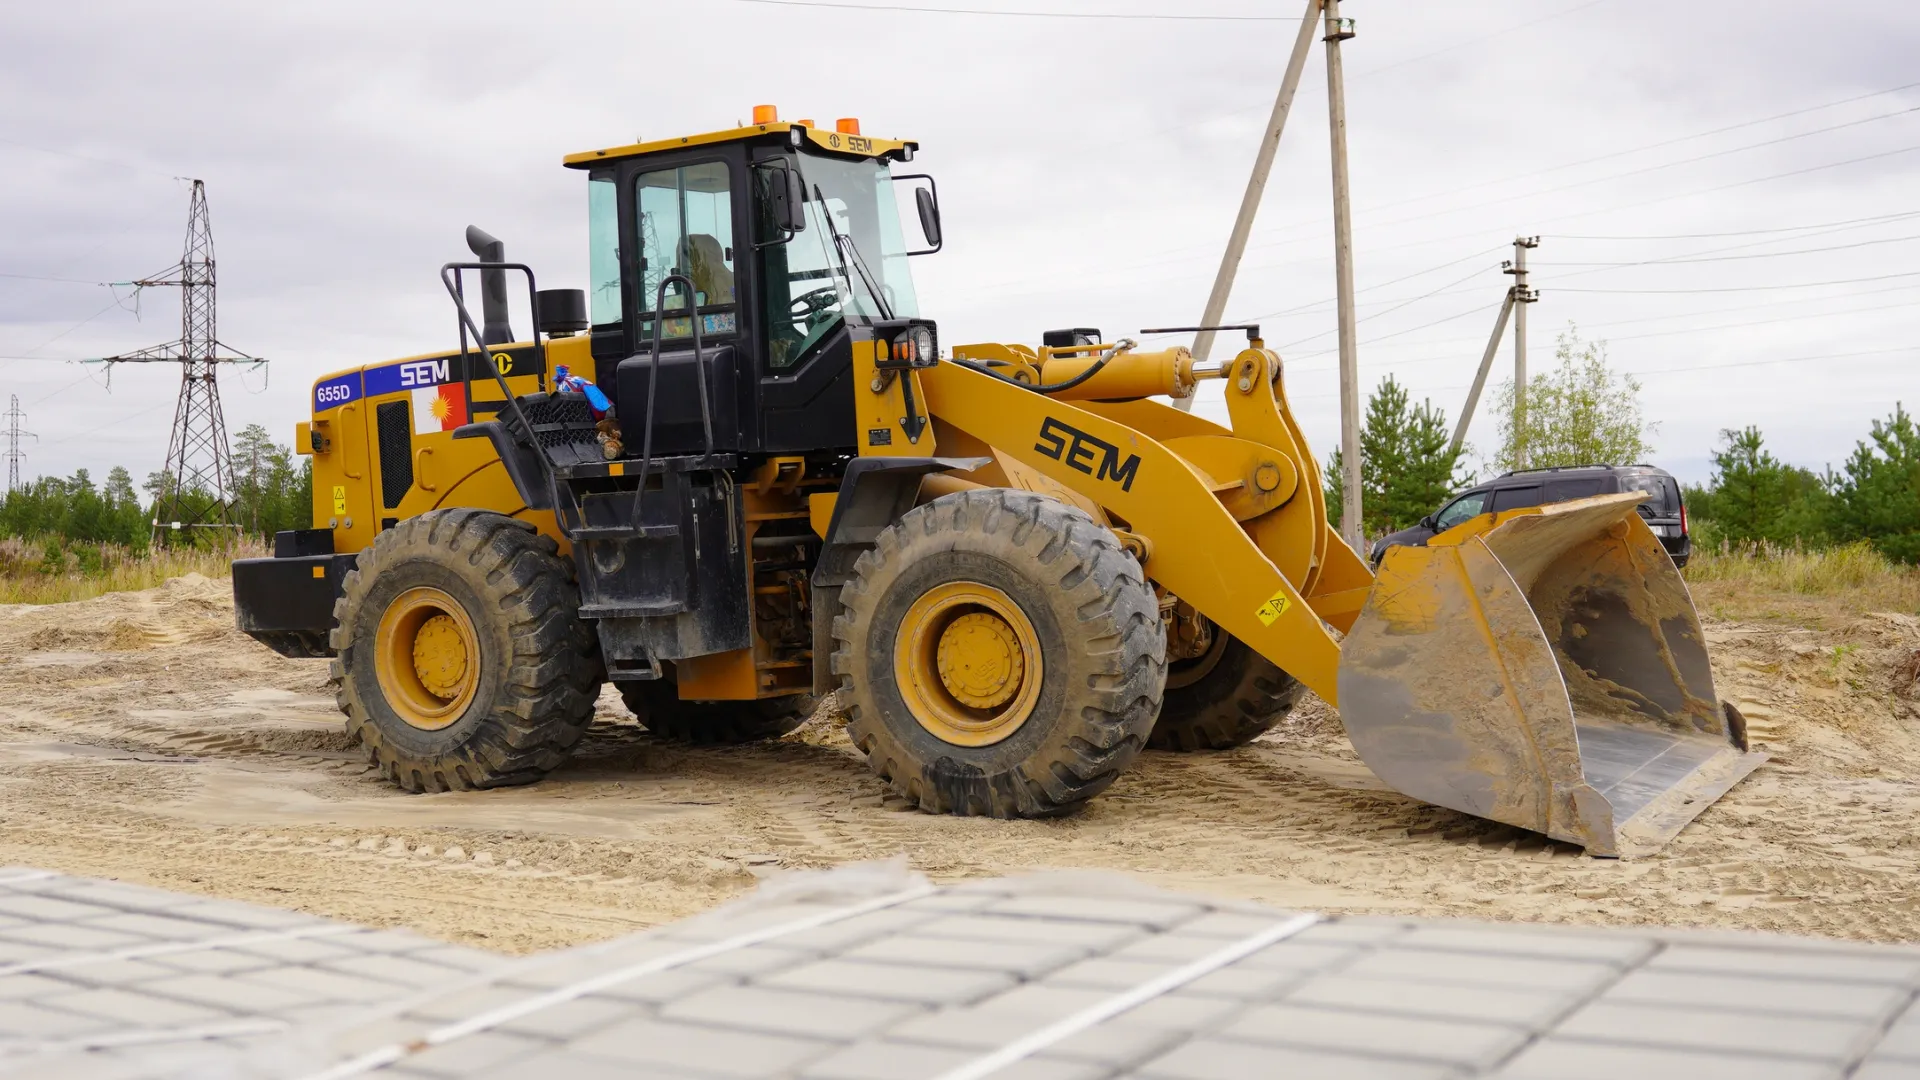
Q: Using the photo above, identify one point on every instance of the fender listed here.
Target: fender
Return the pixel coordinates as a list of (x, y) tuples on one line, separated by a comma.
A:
[(874, 493)]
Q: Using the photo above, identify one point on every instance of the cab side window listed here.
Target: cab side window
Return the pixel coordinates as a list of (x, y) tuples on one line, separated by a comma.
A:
[(603, 253), (686, 227), (1459, 510)]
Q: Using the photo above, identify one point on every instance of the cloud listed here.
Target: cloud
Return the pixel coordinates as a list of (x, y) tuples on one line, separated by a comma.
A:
[(1089, 171)]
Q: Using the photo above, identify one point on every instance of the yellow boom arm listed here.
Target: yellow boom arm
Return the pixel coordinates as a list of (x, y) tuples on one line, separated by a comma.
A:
[(1184, 485), (1543, 667)]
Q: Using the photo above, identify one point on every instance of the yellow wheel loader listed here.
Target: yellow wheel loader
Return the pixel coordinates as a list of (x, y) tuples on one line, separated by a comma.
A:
[(742, 470)]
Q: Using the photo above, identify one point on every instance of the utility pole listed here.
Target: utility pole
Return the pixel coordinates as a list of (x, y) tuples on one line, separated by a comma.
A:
[(1339, 30), (1521, 297), (15, 455), (1256, 187), (1480, 377), (199, 460)]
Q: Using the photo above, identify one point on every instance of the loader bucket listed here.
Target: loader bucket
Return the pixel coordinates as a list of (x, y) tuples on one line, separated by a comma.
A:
[(1543, 668)]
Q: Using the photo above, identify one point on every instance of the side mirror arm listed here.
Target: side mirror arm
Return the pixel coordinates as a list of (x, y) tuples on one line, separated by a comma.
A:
[(927, 201)]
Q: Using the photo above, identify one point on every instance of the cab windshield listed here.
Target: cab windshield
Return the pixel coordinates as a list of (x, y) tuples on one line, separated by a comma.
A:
[(848, 265)]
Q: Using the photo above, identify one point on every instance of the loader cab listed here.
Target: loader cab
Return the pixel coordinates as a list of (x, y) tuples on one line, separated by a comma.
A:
[(792, 239)]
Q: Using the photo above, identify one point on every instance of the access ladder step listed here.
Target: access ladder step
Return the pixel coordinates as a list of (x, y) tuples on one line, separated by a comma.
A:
[(653, 610), (625, 532)]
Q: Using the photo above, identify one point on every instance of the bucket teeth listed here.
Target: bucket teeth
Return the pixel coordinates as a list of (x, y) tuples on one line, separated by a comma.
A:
[(1543, 668)]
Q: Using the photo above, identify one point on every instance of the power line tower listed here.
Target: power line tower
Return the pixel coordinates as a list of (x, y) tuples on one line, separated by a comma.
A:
[(199, 486), (14, 454)]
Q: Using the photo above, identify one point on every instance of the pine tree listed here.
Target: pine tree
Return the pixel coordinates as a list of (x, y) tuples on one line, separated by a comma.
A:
[(1877, 496), (1407, 468)]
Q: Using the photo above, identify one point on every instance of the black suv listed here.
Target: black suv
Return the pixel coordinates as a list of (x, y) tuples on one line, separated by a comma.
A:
[(1664, 511)]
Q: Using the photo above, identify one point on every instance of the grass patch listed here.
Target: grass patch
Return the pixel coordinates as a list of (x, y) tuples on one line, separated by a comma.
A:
[(52, 571), (1763, 580)]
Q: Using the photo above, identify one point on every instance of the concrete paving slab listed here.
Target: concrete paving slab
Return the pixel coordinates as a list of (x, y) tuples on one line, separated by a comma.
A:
[(862, 973)]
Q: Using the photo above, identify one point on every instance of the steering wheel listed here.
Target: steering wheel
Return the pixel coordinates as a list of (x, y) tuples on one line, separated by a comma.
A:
[(809, 304)]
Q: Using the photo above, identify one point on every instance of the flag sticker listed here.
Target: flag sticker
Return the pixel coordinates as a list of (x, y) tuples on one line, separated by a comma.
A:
[(439, 408), (1275, 607)]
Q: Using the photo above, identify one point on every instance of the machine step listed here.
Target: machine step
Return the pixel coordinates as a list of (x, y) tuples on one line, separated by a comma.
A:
[(657, 609), (624, 532)]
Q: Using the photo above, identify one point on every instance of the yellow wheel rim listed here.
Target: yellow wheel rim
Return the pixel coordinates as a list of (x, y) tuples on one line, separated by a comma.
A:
[(427, 658), (967, 662)]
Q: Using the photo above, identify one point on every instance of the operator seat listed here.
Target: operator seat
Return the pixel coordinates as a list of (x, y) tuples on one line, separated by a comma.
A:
[(707, 266)]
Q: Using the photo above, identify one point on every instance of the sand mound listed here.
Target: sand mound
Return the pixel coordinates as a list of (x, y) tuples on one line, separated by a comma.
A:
[(141, 736)]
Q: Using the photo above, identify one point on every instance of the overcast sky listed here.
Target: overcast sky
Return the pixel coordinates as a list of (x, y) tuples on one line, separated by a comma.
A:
[(1725, 188)]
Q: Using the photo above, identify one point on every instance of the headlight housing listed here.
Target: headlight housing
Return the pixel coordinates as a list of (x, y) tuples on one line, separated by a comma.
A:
[(916, 345)]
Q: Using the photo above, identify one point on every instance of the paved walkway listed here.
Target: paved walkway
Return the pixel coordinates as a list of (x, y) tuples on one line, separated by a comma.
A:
[(869, 973)]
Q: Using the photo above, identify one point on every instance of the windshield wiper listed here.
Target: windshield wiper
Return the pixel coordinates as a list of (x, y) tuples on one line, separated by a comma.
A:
[(843, 245)]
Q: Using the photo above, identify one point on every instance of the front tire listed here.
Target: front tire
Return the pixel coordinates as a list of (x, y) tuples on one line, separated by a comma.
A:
[(461, 660), (1000, 654), (660, 710), (1226, 698)]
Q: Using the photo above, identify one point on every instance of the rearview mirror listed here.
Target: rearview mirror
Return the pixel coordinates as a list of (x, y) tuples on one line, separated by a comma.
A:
[(1430, 522), (785, 201), (794, 218), (929, 215), (927, 201)]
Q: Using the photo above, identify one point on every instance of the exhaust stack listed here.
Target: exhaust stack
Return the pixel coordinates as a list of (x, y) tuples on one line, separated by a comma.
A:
[(493, 287)]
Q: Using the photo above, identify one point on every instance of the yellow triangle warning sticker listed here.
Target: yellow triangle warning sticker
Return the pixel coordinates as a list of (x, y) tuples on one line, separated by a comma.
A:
[(1275, 607)]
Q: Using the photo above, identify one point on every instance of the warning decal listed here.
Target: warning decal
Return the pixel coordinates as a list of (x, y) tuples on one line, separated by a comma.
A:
[(1275, 607)]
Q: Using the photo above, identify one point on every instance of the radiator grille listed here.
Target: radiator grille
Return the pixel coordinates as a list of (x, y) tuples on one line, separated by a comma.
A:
[(396, 451)]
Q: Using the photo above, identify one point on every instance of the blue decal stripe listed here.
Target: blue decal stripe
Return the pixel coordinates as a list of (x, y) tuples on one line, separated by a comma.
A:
[(335, 392), (409, 375)]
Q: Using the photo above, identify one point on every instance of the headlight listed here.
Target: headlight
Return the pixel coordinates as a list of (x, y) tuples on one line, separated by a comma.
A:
[(921, 339)]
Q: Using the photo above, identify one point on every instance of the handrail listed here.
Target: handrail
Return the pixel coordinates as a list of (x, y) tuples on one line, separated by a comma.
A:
[(450, 277), (653, 381)]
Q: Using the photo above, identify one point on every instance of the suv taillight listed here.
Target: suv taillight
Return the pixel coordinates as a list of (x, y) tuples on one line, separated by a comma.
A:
[(1683, 519)]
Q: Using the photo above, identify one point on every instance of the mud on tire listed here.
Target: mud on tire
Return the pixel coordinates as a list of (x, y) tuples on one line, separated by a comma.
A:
[(539, 667), (712, 723), (1236, 697), (1098, 630)]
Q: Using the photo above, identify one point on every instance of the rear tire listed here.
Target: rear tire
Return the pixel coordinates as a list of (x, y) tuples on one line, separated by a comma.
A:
[(503, 672), (1029, 640), (1235, 698), (660, 710)]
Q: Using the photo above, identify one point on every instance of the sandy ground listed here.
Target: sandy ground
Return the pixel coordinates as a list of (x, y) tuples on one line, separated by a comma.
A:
[(143, 738)]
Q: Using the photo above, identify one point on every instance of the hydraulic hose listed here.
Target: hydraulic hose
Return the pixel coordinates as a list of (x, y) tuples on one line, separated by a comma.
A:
[(1123, 345)]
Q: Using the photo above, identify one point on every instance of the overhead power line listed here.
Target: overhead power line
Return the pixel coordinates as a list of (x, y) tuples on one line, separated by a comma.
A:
[(1515, 28), (1783, 360), (1114, 15), (1671, 164), (1876, 219), (1478, 185), (1674, 371), (1442, 290), (1662, 144), (43, 277), (1751, 255), (1742, 288), (1682, 332)]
